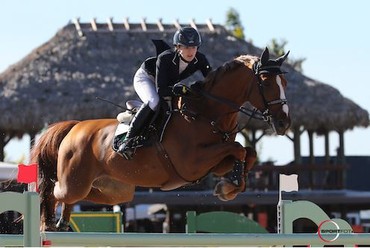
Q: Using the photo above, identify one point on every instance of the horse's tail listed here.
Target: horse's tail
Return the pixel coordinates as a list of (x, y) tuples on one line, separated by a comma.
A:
[(45, 154)]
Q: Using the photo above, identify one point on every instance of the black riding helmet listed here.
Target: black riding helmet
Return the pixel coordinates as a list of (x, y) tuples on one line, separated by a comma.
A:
[(187, 36)]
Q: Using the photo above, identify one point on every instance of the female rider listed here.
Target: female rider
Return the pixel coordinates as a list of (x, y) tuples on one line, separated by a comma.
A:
[(157, 77)]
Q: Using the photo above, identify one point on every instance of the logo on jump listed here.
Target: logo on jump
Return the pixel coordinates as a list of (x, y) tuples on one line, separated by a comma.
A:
[(329, 231)]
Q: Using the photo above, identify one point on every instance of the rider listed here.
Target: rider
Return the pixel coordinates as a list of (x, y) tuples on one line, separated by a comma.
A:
[(157, 77)]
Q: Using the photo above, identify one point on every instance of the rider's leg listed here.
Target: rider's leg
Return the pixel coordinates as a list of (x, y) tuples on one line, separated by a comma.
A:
[(145, 88), (140, 120), (144, 85)]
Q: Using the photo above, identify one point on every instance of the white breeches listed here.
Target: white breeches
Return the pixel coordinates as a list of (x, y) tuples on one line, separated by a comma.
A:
[(145, 87)]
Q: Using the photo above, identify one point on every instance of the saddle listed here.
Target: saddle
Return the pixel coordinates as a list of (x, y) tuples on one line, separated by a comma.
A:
[(154, 130)]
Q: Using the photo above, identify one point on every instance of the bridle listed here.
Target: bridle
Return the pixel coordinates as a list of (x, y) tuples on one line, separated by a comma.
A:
[(254, 113), (259, 71)]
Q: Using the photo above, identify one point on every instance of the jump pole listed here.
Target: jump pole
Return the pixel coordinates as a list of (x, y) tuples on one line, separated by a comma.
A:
[(199, 239), (28, 204), (183, 239)]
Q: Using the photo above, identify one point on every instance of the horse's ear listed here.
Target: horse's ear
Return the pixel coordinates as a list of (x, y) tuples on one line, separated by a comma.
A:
[(281, 59), (265, 56)]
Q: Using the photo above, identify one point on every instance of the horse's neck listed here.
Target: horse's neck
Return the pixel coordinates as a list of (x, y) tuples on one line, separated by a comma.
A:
[(229, 93), (223, 99), (214, 108)]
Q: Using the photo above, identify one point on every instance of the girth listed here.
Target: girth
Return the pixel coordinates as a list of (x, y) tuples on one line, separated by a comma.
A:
[(176, 180)]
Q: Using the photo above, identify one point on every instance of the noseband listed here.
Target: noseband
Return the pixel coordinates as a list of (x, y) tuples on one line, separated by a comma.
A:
[(267, 116)]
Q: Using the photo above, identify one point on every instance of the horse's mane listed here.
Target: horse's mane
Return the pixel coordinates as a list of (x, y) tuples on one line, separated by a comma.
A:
[(242, 60), (247, 60)]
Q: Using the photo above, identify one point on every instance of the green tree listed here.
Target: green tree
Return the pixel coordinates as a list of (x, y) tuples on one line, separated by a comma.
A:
[(233, 23), (278, 47)]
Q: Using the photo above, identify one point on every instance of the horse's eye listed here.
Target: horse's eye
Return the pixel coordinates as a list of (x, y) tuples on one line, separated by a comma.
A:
[(264, 76), (265, 83)]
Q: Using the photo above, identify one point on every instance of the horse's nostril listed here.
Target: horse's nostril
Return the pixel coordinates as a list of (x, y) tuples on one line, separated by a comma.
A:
[(281, 123)]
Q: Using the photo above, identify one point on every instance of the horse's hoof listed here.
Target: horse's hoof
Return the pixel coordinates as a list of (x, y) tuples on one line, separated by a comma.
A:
[(228, 197), (222, 198), (48, 229), (218, 190), (62, 229), (62, 226), (225, 191)]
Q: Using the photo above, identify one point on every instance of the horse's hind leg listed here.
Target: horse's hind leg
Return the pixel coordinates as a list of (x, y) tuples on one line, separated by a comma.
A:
[(107, 190), (99, 197), (47, 209), (124, 193), (74, 179), (63, 223)]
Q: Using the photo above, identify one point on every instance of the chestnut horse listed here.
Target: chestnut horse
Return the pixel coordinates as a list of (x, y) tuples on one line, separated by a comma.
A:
[(77, 162)]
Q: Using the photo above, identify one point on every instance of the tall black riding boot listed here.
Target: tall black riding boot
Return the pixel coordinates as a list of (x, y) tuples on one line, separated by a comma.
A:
[(140, 120)]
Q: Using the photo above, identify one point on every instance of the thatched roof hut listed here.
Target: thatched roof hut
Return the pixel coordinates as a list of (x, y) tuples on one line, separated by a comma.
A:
[(61, 79)]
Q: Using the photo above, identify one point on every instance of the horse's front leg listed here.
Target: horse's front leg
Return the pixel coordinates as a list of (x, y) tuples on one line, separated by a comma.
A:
[(227, 163), (215, 154), (235, 174)]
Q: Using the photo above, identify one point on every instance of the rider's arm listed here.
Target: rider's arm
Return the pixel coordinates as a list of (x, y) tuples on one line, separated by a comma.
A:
[(164, 70), (205, 67)]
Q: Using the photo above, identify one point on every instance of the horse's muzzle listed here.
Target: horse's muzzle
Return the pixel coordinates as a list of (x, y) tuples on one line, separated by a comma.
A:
[(282, 125)]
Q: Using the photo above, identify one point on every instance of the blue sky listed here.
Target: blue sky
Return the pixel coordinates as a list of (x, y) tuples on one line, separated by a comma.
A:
[(332, 35)]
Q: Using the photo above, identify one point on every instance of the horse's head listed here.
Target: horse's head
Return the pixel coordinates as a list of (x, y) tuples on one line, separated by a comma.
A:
[(271, 88), (247, 78)]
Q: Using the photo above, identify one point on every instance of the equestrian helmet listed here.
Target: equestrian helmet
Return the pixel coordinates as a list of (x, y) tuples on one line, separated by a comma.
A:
[(187, 36)]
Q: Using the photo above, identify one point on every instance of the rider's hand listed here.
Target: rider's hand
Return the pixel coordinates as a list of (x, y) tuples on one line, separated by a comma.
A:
[(180, 89)]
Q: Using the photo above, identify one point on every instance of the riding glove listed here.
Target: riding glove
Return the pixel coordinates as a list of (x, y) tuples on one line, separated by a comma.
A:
[(180, 89)]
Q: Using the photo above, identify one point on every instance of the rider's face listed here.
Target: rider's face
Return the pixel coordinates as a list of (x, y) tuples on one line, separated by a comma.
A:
[(187, 53)]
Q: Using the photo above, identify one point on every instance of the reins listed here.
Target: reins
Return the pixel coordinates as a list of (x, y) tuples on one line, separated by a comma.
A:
[(253, 114)]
